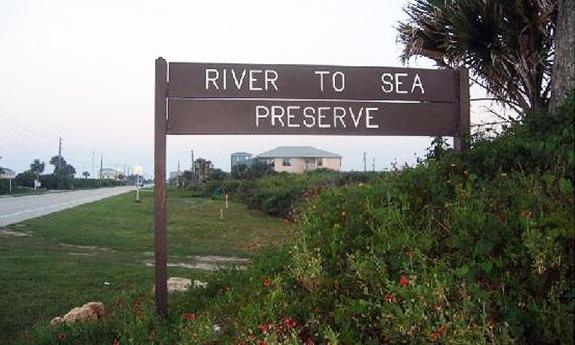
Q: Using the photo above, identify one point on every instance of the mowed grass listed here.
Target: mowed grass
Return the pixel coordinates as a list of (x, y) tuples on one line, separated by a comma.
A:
[(71, 256)]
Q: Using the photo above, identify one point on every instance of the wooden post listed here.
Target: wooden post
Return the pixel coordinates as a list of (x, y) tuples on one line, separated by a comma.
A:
[(227, 200), (463, 121), (161, 276)]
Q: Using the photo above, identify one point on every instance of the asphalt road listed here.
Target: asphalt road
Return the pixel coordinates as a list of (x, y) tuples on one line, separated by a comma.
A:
[(17, 209)]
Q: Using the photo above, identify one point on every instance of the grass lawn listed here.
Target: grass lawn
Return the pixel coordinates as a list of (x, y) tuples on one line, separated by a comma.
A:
[(69, 255)]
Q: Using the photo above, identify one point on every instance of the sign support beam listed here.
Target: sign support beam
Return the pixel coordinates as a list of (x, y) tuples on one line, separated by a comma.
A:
[(463, 120), (160, 247)]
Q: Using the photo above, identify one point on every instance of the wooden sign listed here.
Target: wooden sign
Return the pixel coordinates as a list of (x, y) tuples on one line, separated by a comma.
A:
[(310, 117), (204, 80), (216, 99)]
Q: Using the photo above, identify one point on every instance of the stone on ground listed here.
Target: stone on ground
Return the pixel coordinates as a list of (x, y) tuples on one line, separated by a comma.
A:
[(89, 311)]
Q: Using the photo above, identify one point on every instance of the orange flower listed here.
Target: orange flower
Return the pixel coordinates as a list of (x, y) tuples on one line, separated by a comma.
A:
[(437, 307), (266, 283), (526, 214)]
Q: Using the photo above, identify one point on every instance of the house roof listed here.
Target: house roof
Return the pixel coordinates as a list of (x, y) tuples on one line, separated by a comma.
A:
[(297, 152), (241, 153)]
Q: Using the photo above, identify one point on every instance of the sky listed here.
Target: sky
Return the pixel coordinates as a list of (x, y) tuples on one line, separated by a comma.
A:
[(84, 72)]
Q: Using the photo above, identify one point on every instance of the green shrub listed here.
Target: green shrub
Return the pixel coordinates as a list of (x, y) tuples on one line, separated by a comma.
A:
[(5, 186)]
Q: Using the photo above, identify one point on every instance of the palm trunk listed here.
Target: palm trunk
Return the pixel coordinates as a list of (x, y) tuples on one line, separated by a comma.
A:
[(563, 77)]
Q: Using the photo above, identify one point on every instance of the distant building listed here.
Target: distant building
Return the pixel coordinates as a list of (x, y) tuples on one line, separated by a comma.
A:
[(241, 158), (110, 174), (298, 159), (7, 173)]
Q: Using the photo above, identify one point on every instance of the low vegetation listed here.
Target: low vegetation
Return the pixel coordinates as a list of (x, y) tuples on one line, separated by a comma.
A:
[(473, 248), (102, 251)]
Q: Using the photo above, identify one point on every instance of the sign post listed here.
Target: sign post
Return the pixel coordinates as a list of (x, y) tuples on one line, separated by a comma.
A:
[(160, 264), (138, 171), (210, 98)]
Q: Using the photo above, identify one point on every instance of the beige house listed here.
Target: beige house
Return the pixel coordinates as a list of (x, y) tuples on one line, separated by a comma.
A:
[(297, 159)]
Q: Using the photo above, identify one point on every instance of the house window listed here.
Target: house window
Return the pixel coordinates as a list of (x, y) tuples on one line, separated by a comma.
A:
[(271, 162), (319, 162), (286, 162)]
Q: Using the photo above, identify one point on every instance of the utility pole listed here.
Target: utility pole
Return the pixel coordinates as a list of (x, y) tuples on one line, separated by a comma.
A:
[(373, 164), (59, 154), (193, 167), (178, 176), (101, 165), (364, 162), (93, 171)]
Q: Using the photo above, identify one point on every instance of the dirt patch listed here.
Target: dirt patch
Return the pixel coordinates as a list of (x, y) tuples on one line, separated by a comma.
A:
[(219, 259), (80, 254), (10, 232), (88, 248), (209, 263)]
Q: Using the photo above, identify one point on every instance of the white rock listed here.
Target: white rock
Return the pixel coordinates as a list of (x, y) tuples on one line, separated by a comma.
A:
[(177, 284), (89, 311), (200, 284)]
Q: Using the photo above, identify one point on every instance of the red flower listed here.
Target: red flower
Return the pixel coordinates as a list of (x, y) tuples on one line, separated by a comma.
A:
[(442, 329), (437, 307), (152, 336), (389, 298), (265, 328), (266, 283), (116, 342), (263, 342), (403, 281), (491, 324), (189, 316), (309, 341), (439, 333), (526, 214), (290, 323), (61, 336)]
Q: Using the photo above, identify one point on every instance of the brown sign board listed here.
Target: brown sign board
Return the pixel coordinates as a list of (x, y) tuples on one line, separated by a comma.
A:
[(208, 98), (210, 80), (310, 117)]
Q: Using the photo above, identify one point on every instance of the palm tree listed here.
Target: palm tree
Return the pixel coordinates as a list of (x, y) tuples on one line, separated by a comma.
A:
[(508, 45), (85, 174), (37, 167)]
